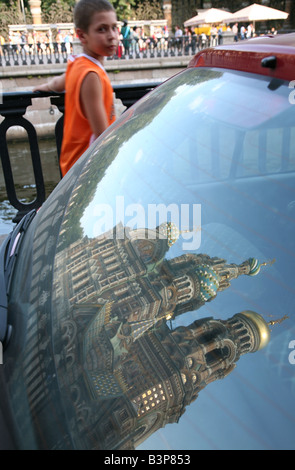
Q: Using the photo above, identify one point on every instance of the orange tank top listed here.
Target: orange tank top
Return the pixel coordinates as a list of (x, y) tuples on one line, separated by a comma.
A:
[(77, 131)]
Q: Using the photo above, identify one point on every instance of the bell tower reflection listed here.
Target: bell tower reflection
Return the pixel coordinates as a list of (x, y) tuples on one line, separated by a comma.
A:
[(127, 373), (134, 274), (185, 360)]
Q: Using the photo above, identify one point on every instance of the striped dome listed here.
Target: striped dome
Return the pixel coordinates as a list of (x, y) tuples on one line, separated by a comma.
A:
[(170, 231), (209, 282), (254, 266)]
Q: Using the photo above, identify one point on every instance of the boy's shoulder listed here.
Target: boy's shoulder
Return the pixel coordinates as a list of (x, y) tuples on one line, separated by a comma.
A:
[(79, 66), (84, 62)]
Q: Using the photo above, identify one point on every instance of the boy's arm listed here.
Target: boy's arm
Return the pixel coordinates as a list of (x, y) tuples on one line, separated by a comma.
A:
[(56, 84), (92, 105)]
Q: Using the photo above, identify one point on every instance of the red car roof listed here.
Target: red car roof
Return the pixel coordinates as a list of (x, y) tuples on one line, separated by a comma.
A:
[(273, 56)]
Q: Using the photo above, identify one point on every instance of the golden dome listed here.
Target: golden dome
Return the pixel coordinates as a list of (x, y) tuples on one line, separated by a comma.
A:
[(261, 325)]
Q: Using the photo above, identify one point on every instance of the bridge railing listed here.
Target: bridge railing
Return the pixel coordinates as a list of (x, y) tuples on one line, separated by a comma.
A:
[(143, 48), (13, 109)]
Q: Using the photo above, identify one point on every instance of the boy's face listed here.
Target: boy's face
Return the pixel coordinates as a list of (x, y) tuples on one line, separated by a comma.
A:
[(101, 39)]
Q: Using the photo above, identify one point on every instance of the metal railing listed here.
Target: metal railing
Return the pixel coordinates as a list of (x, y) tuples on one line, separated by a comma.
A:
[(57, 53), (33, 54), (13, 109)]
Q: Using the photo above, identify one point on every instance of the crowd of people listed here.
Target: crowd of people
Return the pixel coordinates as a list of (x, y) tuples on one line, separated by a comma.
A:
[(44, 41), (214, 34), (132, 39)]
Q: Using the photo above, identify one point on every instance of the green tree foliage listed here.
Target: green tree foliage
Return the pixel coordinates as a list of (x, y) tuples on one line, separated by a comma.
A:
[(185, 9), (234, 5), (11, 13), (57, 11), (138, 9), (123, 8), (148, 10), (61, 11)]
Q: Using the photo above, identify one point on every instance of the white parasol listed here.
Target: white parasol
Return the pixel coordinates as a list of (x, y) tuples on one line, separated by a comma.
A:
[(256, 12), (210, 16)]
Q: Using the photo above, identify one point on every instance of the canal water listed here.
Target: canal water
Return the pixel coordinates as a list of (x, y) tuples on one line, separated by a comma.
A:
[(20, 157)]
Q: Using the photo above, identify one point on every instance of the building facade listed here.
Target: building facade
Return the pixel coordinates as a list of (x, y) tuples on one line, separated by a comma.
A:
[(127, 372)]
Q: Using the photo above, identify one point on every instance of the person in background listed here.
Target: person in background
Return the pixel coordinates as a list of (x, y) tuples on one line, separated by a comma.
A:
[(242, 32), (249, 33), (125, 31), (220, 33), (89, 105), (2, 42), (135, 39), (178, 37), (178, 32), (235, 31)]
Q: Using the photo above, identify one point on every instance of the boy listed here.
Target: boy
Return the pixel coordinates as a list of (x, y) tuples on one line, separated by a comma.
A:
[(89, 107)]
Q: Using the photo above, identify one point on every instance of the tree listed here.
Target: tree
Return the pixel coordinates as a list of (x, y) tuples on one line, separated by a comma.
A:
[(123, 8), (148, 10), (185, 9), (57, 11), (182, 10), (10, 13)]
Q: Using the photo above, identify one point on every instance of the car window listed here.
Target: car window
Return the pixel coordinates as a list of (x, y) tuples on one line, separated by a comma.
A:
[(174, 227), (226, 125)]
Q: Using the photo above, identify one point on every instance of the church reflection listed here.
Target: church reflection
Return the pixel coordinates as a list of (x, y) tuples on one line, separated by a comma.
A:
[(123, 371)]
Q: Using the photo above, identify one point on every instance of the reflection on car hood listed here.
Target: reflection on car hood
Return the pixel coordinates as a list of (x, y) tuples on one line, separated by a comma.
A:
[(116, 352), (124, 305)]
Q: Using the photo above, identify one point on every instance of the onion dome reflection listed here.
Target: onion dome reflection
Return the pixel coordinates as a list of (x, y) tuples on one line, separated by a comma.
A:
[(155, 378), (100, 351), (133, 274), (262, 328), (114, 350)]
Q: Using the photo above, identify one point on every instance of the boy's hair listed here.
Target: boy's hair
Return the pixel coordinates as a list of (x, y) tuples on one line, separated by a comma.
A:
[(84, 9)]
